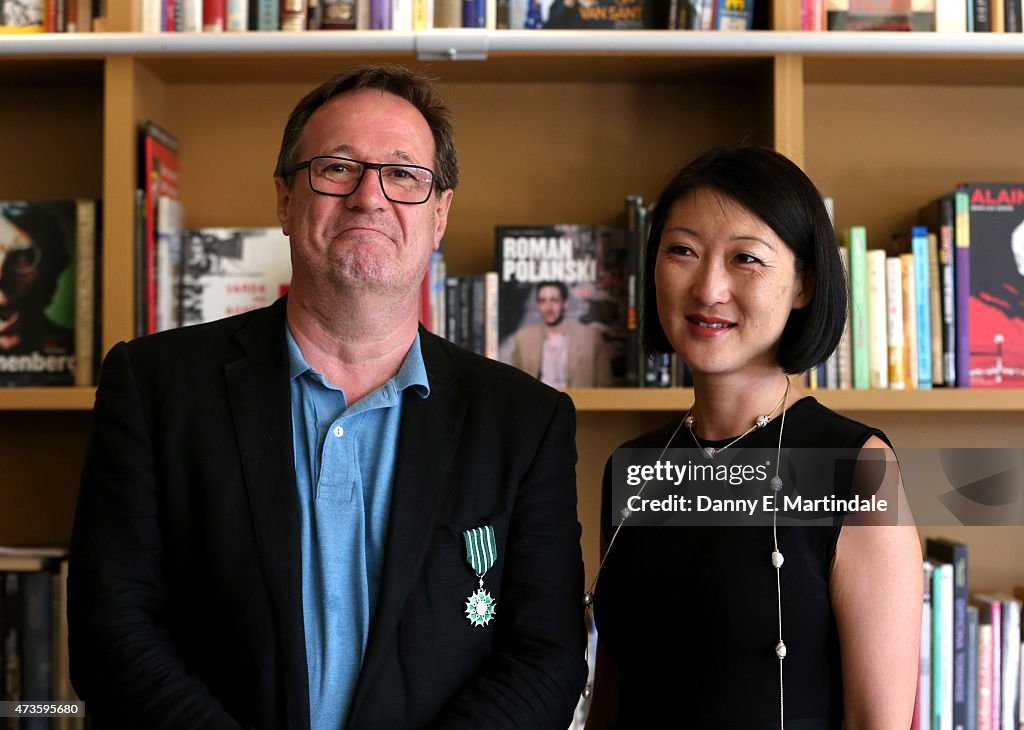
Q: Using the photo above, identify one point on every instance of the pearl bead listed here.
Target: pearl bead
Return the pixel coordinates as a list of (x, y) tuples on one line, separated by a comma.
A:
[(689, 421), (588, 598), (780, 650), (626, 512), (776, 484), (777, 559), (762, 421)]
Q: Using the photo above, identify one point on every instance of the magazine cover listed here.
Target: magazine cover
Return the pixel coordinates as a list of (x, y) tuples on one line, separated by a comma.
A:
[(37, 293), (562, 303), (996, 325), (233, 270)]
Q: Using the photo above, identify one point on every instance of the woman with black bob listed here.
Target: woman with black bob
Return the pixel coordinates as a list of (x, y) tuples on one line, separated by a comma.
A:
[(755, 626)]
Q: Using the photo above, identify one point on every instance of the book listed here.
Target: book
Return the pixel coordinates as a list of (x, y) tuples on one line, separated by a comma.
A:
[(922, 299), (857, 243), (594, 14), (995, 309), (939, 216), (232, 270), (972, 668), (87, 287), (341, 14), (562, 306), (158, 178), (942, 645), (910, 367), (734, 14), (951, 16), (962, 286), (1011, 661), (844, 360), (878, 351), (922, 702), (22, 16), (38, 244), (955, 554), (894, 322), (887, 15), (990, 612)]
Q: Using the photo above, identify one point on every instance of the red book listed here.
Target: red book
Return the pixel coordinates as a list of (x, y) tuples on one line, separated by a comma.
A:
[(159, 178), (215, 14)]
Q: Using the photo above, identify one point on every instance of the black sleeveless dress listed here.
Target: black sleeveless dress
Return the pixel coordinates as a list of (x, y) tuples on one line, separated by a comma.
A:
[(690, 617)]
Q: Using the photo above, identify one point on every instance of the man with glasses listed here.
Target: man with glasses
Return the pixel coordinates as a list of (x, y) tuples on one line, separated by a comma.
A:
[(318, 514)]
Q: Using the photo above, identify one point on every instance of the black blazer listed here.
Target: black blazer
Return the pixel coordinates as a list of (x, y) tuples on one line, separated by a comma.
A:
[(185, 600)]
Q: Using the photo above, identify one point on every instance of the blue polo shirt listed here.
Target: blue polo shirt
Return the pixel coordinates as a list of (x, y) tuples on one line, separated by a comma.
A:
[(344, 471)]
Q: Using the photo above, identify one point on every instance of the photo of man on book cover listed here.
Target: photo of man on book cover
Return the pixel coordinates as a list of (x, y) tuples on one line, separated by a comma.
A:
[(37, 293), (562, 303)]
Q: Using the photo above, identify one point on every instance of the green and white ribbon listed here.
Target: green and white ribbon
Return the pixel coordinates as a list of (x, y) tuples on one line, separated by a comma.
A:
[(480, 548)]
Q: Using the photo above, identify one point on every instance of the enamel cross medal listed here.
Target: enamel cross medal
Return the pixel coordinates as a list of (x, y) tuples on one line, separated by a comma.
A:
[(480, 553)]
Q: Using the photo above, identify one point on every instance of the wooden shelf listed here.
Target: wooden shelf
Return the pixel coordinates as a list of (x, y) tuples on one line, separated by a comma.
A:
[(47, 399), (864, 401)]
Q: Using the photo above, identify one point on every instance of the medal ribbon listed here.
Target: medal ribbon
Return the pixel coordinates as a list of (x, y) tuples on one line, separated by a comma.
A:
[(480, 548)]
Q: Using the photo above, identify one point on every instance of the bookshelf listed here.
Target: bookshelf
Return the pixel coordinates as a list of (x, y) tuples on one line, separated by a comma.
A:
[(883, 123)]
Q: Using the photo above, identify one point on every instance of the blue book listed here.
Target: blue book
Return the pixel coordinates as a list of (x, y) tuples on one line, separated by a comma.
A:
[(922, 286), (474, 14)]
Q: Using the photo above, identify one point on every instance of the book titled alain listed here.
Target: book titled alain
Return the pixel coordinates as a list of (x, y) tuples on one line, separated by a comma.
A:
[(995, 316), (562, 303)]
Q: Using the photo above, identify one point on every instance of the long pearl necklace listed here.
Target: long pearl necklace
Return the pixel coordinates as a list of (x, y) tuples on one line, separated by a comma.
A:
[(777, 559)]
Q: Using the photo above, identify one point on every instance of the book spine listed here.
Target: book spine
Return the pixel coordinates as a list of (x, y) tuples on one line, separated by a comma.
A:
[(962, 268), (214, 16), (380, 14), (237, 15), (909, 323), (1012, 16), (491, 307), (894, 333), (981, 16), (448, 14), (972, 668), (1011, 662), (422, 14), (859, 306), (293, 15), (878, 352), (845, 365), (985, 673), (922, 703), (268, 15), (922, 298), (935, 309), (938, 601), (474, 14), (947, 225), (85, 292), (35, 645)]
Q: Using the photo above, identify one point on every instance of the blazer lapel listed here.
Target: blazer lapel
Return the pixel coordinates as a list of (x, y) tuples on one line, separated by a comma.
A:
[(258, 390), (428, 441)]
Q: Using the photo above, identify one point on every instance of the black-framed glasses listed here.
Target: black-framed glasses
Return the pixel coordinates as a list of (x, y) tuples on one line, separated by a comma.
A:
[(340, 177)]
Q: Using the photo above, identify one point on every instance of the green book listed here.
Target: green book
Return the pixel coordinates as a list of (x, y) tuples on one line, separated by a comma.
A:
[(857, 240)]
